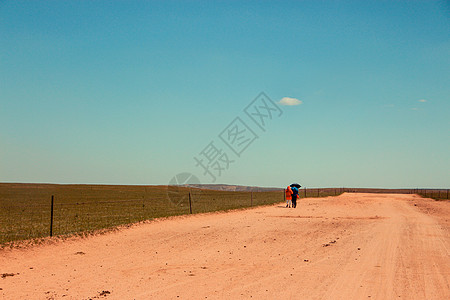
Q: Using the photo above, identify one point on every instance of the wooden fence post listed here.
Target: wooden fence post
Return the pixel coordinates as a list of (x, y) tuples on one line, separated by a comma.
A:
[(51, 218), (305, 192), (190, 203), (251, 198), (143, 208)]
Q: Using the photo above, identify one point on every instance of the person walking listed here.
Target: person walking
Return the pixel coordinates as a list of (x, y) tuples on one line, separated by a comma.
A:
[(288, 196), (294, 196)]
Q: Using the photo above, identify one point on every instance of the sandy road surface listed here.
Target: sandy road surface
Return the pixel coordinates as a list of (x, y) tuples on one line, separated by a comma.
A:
[(354, 246)]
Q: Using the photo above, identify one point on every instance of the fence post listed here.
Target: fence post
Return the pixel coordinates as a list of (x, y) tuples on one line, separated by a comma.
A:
[(190, 203), (305, 192), (251, 198), (447, 193), (143, 208), (318, 190), (51, 218)]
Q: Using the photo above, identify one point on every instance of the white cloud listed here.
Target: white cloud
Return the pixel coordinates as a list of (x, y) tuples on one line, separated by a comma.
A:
[(422, 100), (290, 101)]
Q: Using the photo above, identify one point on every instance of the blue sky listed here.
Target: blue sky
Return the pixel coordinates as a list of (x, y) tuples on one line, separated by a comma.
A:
[(129, 92)]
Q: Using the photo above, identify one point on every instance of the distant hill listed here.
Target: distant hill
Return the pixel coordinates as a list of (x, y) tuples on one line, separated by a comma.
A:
[(232, 188)]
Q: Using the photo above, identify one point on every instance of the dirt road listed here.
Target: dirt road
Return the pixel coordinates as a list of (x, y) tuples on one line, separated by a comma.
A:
[(354, 246)]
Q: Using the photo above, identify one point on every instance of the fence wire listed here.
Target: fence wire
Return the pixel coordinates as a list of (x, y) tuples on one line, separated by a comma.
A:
[(25, 211), (26, 214)]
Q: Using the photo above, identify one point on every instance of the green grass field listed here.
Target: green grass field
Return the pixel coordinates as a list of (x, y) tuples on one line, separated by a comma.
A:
[(25, 209)]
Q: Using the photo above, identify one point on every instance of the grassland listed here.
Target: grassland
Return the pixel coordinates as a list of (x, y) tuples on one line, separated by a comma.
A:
[(25, 209)]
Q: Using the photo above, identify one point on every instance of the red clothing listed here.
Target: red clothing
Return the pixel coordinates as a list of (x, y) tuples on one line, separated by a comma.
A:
[(288, 193)]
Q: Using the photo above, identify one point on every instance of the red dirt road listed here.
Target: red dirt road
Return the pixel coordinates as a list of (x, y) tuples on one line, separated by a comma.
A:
[(354, 246)]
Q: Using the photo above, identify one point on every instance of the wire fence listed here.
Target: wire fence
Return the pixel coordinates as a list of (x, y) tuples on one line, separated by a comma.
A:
[(27, 213), (437, 194), (440, 194), (37, 216)]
